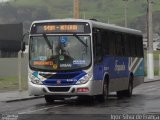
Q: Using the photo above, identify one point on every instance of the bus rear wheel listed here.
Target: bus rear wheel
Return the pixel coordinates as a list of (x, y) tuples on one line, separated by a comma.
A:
[(128, 92)]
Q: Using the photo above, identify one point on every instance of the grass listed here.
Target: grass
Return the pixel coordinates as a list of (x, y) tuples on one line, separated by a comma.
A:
[(156, 62), (10, 83), (9, 73)]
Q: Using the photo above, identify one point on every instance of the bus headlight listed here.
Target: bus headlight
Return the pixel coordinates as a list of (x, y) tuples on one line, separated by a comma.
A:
[(84, 79), (35, 80)]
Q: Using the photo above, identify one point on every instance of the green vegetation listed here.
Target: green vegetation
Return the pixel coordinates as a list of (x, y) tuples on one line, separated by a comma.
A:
[(156, 62), (8, 83), (112, 10), (9, 73), (109, 11)]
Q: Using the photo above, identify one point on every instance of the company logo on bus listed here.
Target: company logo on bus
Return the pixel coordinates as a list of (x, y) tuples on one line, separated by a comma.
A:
[(58, 82), (119, 67)]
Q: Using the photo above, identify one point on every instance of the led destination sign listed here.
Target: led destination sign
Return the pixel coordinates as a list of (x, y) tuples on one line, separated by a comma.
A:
[(60, 28)]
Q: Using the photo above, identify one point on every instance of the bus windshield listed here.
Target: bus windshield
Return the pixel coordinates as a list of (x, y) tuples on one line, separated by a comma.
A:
[(60, 52)]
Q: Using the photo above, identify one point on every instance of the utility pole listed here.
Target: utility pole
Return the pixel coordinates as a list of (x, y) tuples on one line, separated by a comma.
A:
[(76, 9), (150, 64), (125, 12)]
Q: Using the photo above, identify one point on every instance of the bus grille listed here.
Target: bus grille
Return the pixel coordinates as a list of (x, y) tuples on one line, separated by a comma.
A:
[(60, 76), (59, 89)]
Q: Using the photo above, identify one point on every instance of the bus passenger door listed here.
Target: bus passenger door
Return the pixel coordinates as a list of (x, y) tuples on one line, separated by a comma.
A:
[(97, 50)]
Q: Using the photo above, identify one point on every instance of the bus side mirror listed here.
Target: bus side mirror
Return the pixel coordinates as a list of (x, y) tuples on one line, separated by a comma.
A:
[(23, 45)]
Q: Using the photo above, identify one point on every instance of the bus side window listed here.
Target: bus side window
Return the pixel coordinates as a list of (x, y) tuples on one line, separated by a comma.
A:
[(126, 44), (105, 44), (132, 45), (97, 45), (119, 45), (112, 43), (139, 44)]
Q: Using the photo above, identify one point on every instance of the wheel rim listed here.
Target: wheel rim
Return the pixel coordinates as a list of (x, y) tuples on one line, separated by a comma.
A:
[(105, 91), (130, 88)]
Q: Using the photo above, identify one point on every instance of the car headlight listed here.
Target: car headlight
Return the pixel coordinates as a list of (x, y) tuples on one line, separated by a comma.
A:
[(35, 80), (84, 79)]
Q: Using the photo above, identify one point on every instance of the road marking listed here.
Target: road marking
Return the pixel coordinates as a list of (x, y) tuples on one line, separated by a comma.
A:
[(151, 86), (42, 109)]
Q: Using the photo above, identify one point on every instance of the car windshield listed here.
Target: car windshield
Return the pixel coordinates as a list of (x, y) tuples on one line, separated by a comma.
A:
[(60, 52)]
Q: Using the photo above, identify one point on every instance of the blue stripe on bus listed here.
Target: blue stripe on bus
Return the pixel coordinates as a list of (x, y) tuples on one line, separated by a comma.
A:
[(116, 67)]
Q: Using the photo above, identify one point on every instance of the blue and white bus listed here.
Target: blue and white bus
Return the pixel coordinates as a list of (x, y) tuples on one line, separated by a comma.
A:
[(75, 57)]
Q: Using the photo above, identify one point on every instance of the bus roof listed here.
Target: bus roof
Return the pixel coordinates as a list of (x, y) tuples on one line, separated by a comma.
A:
[(96, 24)]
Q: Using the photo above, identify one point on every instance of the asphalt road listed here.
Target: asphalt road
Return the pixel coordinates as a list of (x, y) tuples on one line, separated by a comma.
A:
[(145, 100)]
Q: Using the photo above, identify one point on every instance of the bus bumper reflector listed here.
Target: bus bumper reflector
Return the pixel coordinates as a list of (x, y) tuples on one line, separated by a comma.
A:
[(82, 89)]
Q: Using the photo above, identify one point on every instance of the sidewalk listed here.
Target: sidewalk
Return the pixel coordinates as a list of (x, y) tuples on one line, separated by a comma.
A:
[(18, 96), (156, 78)]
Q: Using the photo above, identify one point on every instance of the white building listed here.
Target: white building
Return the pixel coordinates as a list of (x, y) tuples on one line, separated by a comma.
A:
[(156, 42)]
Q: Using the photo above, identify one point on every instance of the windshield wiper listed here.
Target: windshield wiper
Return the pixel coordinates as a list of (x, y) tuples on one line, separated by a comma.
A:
[(80, 40), (47, 41)]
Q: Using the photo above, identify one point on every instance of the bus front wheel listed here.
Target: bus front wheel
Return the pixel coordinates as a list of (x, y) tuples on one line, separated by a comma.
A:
[(104, 96)]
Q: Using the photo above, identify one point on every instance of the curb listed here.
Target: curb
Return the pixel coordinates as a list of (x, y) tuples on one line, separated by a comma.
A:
[(23, 99), (152, 81)]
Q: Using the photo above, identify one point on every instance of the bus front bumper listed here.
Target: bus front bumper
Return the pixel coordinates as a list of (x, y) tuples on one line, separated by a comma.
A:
[(73, 90)]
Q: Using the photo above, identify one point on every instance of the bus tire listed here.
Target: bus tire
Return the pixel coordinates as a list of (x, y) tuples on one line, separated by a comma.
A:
[(104, 96), (49, 99), (120, 94), (128, 92)]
